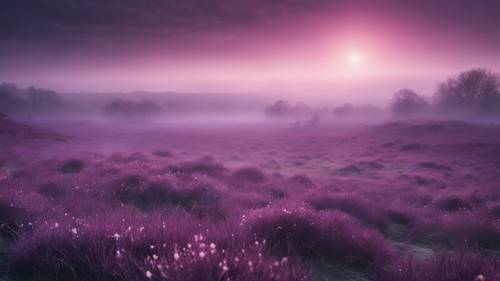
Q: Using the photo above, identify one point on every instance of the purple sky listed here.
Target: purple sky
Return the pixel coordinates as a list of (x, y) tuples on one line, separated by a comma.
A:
[(343, 50)]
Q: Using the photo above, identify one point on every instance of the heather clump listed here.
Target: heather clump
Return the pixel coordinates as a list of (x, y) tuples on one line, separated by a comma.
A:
[(363, 210), (310, 234), (140, 248), (249, 175), (71, 166)]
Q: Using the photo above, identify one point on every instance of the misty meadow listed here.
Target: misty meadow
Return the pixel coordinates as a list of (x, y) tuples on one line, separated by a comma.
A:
[(249, 140)]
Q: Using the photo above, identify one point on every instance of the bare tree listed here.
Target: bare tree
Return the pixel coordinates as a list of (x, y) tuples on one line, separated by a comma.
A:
[(406, 102), (281, 108), (476, 91)]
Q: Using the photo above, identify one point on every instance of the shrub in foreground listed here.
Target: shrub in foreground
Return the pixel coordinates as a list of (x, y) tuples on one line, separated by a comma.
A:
[(201, 199), (326, 234), (145, 249)]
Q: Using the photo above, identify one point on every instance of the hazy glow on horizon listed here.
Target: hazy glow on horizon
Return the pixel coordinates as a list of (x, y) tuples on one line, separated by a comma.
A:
[(342, 53)]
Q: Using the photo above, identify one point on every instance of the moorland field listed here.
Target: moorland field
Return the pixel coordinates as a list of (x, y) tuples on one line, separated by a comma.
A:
[(407, 200)]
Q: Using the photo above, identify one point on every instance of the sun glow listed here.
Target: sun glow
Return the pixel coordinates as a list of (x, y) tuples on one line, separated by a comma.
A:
[(355, 58)]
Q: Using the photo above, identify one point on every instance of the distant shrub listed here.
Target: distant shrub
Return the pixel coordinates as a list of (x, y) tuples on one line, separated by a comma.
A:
[(350, 170), (278, 193), (406, 102), (444, 267), (127, 108), (281, 108), (203, 166), (301, 109), (452, 203), (302, 181), (162, 153), (123, 159), (249, 174), (313, 121), (343, 111), (330, 235), (52, 191), (413, 147), (71, 166), (476, 91), (434, 166)]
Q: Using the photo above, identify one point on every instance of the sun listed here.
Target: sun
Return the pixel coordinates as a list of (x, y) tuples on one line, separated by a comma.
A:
[(354, 58)]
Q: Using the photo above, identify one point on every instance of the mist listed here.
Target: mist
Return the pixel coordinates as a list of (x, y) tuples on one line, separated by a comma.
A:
[(249, 140)]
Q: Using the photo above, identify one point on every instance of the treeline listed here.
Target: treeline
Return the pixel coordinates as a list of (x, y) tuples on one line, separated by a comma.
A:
[(472, 93), (15, 101), (19, 102)]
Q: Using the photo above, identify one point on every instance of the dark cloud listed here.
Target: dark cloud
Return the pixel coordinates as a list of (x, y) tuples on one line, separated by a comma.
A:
[(70, 24), (81, 20)]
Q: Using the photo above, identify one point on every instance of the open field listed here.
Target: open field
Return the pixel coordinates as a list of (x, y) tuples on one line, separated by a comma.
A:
[(414, 200)]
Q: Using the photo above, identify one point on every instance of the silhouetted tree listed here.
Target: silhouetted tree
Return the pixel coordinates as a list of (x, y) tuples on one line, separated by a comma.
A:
[(147, 107), (407, 102), (301, 108), (313, 121), (41, 100), (11, 100), (476, 91), (342, 111), (127, 108), (281, 108)]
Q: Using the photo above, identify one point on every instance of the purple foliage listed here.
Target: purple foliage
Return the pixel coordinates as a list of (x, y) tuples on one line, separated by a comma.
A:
[(137, 248), (249, 174), (310, 234), (97, 214), (363, 210)]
